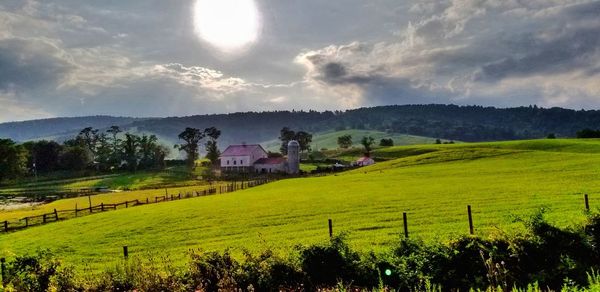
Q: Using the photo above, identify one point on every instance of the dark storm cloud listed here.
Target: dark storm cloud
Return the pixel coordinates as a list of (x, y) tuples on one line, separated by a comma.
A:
[(24, 63)]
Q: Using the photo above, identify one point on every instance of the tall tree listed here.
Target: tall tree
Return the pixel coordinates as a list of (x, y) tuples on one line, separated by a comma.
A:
[(147, 148), (89, 137), (304, 139), (191, 138), (13, 159), (344, 141), (211, 146), (285, 136), (130, 147), (104, 152), (367, 142), (115, 159), (75, 158), (43, 155)]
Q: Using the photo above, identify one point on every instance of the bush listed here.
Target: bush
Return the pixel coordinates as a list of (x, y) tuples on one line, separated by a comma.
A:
[(326, 265), (546, 257)]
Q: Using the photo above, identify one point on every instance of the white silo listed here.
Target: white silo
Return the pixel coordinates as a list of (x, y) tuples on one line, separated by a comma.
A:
[(293, 157)]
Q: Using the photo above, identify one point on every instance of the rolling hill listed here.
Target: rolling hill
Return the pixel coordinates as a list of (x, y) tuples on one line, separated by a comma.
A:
[(451, 122), (432, 183), (328, 140)]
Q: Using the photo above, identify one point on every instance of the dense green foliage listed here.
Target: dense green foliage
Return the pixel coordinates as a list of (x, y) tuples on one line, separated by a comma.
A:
[(588, 133), (545, 256), (344, 141), (12, 159), (286, 135), (90, 149), (386, 142)]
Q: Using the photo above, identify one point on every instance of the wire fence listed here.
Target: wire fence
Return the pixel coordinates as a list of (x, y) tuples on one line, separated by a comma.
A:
[(58, 215)]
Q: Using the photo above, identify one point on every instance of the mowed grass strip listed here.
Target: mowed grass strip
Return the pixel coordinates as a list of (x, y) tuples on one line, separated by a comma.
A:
[(499, 182)]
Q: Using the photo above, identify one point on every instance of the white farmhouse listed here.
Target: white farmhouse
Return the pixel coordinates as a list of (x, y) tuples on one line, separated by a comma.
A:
[(241, 158)]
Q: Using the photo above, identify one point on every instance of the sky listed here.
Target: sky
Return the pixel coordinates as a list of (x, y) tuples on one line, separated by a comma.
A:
[(185, 57)]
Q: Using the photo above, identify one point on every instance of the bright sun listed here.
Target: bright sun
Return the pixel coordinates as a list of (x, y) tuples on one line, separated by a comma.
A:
[(230, 25)]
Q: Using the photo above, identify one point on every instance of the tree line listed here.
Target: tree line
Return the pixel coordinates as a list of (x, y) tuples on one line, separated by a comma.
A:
[(101, 151), (91, 149)]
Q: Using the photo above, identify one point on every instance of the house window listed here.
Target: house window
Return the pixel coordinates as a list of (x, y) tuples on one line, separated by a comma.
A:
[(227, 162), (235, 162), (241, 162)]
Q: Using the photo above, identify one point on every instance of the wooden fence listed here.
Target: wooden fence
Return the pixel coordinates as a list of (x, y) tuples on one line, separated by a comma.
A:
[(58, 215)]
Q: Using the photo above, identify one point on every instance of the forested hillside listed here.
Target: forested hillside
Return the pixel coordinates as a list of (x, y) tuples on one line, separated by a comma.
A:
[(57, 127), (463, 123)]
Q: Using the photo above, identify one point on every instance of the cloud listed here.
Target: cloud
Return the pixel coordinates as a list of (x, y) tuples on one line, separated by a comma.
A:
[(71, 57), (463, 51), (26, 62)]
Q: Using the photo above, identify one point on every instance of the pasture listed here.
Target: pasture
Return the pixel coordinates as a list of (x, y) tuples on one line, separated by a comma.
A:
[(433, 183)]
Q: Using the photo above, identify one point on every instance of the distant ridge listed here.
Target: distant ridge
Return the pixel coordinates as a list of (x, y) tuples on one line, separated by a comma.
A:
[(452, 122), (57, 127)]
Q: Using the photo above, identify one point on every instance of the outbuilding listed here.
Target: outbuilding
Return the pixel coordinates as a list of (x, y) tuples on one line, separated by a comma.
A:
[(364, 161)]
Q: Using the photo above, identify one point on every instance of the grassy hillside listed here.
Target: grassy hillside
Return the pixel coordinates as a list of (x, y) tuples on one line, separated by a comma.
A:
[(328, 140), (433, 183)]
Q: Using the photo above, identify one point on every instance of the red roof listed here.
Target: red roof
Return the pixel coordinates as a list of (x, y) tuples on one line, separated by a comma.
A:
[(241, 150), (271, 160)]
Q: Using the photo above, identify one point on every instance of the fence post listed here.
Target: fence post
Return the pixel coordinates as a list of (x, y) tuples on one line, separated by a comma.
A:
[(44, 220), (125, 252), (587, 202), (330, 229), (179, 196), (90, 200), (5, 226), (470, 220), (55, 215), (76, 210), (3, 270), (146, 200), (126, 204), (405, 225), (102, 207), (26, 221)]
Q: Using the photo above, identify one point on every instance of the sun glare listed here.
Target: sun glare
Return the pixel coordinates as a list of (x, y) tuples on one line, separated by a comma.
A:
[(229, 25)]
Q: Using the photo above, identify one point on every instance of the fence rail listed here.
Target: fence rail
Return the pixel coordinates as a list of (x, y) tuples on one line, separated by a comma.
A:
[(58, 215)]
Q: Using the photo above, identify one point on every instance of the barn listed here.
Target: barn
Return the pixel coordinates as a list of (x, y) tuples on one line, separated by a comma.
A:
[(241, 158), (254, 158)]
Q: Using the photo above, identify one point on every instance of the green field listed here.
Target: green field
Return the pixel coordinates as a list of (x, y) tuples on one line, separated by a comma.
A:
[(171, 177), (433, 183), (328, 140)]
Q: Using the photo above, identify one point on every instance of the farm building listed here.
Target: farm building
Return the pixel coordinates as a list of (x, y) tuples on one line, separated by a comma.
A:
[(254, 158), (241, 158), (270, 165), (364, 161)]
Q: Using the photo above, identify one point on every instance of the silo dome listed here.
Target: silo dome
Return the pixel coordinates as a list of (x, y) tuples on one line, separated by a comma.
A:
[(293, 157)]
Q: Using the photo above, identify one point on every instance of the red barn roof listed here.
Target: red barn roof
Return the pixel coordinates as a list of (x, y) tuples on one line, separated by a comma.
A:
[(241, 150)]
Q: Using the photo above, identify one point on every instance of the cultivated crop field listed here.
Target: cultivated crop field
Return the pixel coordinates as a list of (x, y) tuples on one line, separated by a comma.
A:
[(432, 183)]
